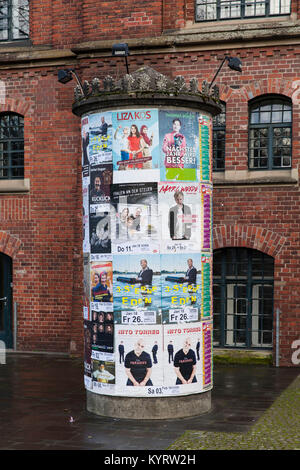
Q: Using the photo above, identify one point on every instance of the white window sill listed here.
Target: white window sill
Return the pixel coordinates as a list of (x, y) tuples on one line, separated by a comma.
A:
[(15, 186)]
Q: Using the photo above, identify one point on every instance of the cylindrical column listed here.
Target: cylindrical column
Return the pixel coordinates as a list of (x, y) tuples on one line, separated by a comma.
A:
[(147, 211)]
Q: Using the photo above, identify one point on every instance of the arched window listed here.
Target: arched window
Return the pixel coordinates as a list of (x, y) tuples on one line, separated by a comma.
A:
[(243, 298), (209, 10), (219, 132), (270, 133), (11, 146), (14, 20)]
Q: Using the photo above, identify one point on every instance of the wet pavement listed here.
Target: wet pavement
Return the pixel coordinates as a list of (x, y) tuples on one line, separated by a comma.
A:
[(39, 394)]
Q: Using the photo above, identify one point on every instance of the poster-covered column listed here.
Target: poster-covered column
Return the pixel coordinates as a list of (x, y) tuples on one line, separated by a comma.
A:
[(147, 222)]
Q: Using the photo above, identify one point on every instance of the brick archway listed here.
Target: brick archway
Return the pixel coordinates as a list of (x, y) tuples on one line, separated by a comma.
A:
[(278, 86), (248, 236), (9, 245), (14, 106)]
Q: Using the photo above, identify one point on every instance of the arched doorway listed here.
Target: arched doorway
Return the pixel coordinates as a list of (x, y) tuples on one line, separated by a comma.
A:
[(6, 300), (243, 298)]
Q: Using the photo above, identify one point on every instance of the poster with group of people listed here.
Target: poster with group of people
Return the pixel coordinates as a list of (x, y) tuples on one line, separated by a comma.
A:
[(147, 244)]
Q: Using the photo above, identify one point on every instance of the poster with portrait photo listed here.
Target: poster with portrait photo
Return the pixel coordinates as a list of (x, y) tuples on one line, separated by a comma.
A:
[(183, 358), (85, 146), (100, 232), (179, 145), (101, 286), (135, 145), (138, 360), (100, 182), (136, 289), (180, 211), (181, 287), (134, 218), (102, 334), (100, 138), (104, 377)]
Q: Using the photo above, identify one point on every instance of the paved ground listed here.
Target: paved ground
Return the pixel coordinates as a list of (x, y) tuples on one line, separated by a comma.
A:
[(38, 394)]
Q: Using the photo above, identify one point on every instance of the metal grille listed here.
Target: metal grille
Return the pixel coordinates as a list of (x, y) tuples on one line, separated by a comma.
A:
[(11, 146), (14, 20), (219, 133)]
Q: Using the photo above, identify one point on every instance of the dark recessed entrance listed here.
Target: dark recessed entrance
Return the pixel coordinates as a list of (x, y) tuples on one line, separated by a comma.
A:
[(6, 300)]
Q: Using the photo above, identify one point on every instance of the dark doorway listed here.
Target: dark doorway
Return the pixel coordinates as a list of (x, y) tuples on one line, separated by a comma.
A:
[(6, 300)]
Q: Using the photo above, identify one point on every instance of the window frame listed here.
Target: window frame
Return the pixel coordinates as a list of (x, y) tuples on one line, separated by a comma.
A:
[(10, 25), (11, 151), (263, 101), (217, 128), (242, 16)]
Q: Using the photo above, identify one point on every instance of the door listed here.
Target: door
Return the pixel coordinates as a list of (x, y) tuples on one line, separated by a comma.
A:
[(6, 300)]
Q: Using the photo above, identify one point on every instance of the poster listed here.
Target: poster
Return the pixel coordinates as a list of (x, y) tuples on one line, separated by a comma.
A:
[(102, 334), (87, 328), (205, 148), (100, 138), (181, 287), (100, 232), (86, 286), (135, 145), (100, 182), (206, 285), (85, 219), (104, 377), (180, 207), (207, 353), (101, 286), (139, 354), (183, 358), (134, 218), (136, 289), (179, 145), (85, 146), (206, 202)]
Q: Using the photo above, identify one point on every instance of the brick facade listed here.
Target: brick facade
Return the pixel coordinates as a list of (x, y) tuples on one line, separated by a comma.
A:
[(41, 228)]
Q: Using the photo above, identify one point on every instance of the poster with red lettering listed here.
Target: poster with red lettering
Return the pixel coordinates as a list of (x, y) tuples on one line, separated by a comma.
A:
[(183, 358), (135, 146), (181, 213), (139, 351)]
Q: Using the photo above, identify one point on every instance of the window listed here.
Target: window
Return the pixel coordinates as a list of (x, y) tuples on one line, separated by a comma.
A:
[(210, 10), (14, 19), (219, 129), (243, 298), (270, 134), (11, 146)]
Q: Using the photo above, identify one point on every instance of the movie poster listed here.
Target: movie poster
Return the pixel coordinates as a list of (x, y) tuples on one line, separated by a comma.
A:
[(137, 292), (100, 232), (183, 358), (85, 146), (180, 211), (85, 219), (102, 335), (181, 287), (139, 368), (101, 286), (207, 328), (134, 218), (104, 377), (86, 286), (100, 182), (135, 145), (87, 328), (179, 145), (100, 138)]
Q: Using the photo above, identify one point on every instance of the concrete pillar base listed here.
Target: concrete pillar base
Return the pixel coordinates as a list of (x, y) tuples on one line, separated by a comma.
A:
[(149, 408)]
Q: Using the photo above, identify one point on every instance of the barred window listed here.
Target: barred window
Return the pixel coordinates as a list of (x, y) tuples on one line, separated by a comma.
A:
[(210, 10), (14, 20), (11, 146), (270, 134), (219, 132)]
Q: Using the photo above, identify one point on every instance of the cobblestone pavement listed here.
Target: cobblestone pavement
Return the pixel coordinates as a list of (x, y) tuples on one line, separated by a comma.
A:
[(39, 394), (277, 429)]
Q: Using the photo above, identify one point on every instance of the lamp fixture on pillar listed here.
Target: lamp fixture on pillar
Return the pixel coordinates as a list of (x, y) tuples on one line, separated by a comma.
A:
[(66, 75), (121, 50), (234, 63)]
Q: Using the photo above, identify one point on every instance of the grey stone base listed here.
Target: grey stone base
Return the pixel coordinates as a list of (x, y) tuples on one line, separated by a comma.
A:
[(149, 408)]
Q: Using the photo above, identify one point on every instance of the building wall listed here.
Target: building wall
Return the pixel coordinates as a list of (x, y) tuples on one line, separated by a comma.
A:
[(41, 227)]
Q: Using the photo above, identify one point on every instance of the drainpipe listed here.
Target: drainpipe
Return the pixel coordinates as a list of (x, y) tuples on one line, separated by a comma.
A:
[(277, 337)]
